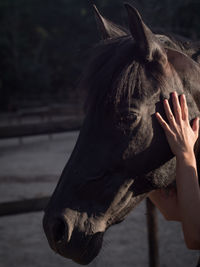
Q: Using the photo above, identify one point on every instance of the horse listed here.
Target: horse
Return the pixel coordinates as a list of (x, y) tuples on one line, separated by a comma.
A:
[(121, 153)]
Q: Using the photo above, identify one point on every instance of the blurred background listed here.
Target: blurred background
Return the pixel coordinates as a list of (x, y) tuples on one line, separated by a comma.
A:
[(44, 46)]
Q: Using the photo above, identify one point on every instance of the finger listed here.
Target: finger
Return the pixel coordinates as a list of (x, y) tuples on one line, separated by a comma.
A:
[(195, 125), (184, 108), (162, 122), (176, 107), (169, 114)]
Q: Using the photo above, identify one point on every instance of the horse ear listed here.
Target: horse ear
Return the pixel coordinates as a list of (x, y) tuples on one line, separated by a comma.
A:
[(107, 28), (142, 35)]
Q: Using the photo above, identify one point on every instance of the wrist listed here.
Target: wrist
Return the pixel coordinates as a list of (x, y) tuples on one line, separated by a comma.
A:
[(186, 158)]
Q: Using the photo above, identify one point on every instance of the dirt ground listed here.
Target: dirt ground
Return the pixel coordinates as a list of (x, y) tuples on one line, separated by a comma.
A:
[(32, 169)]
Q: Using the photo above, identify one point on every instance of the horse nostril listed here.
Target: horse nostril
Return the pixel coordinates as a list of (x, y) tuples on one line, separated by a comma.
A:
[(60, 230)]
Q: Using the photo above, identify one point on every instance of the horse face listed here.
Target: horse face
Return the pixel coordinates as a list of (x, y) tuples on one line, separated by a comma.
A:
[(121, 152), (93, 193)]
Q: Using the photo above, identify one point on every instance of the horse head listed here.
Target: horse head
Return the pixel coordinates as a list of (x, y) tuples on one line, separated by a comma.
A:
[(121, 153)]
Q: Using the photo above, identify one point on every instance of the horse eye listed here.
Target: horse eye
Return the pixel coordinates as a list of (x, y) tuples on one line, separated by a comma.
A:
[(132, 117), (129, 117)]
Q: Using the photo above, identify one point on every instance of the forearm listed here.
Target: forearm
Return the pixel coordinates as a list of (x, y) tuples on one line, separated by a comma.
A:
[(188, 196), (182, 137)]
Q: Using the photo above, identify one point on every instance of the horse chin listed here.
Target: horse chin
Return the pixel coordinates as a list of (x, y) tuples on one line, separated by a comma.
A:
[(92, 250), (89, 252)]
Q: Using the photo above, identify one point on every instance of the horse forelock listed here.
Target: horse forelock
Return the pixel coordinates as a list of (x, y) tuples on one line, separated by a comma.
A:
[(116, 74)]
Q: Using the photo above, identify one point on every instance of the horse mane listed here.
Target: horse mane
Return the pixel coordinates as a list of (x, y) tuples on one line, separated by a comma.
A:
[(180, 43)]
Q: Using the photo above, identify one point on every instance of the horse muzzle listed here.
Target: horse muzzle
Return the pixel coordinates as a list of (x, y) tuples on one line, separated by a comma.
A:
[(71, 240)]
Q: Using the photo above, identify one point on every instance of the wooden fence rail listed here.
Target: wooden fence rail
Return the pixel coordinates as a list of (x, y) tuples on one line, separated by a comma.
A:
[(23, 206), (49, 127)]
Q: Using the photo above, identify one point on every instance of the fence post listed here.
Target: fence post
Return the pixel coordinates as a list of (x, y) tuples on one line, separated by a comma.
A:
[(152, 227)]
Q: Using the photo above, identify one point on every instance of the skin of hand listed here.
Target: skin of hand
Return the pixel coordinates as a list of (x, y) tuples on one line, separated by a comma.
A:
[(184, 205), (180, 135)]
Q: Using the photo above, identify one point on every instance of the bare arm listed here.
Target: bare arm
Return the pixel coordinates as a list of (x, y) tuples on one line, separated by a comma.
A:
[(167, 203), (188, 195), (185, 205)]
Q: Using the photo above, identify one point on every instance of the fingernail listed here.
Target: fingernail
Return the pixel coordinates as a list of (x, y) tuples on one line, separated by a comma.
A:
[(157, 114)]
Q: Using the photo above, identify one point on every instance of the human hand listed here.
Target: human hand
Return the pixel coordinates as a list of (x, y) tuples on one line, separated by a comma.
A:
[(180, 135)]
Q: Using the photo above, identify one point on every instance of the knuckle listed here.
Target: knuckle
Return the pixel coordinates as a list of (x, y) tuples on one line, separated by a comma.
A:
[(171, 117), (178, 109)]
